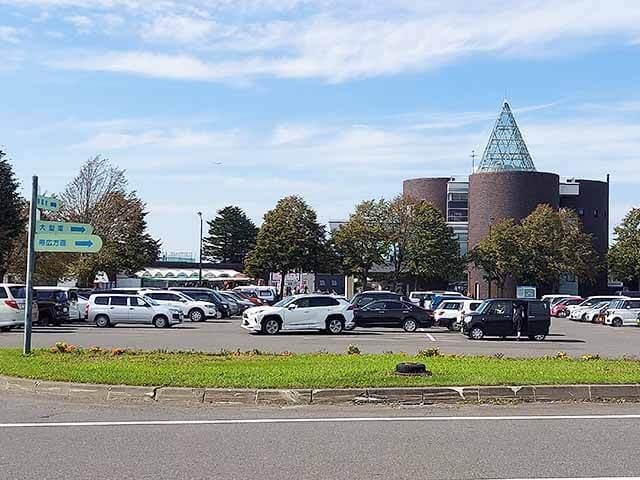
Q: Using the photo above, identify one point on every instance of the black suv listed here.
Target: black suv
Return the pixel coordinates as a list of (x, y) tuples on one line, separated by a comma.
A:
[(364, 298), (53, 306)]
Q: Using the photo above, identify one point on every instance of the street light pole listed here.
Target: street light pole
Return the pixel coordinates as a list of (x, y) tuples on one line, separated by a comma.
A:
[(200, 256)]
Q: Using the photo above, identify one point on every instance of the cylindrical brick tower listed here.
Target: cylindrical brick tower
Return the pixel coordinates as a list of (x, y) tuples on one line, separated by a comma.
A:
[(494, 196), (433, 190)]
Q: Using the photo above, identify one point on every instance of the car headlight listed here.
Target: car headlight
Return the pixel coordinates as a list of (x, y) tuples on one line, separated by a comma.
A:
[(468, 319)]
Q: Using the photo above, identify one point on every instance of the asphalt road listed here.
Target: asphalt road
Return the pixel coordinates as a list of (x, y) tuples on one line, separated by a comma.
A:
[(581, 440), (566, 336)]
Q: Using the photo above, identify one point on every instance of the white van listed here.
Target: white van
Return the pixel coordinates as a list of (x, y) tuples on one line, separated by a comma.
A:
[(623, 312), (263, 293)]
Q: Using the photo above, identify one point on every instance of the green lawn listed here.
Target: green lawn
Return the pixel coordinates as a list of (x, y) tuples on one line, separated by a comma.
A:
[(306, 371)]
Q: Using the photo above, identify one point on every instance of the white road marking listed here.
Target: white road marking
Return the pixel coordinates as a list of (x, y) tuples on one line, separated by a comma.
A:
[(431, 337), (576, 478), (243, 421)]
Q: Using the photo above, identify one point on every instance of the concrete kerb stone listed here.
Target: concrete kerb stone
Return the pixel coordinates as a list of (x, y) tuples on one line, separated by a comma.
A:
[(179, 395), (615, 392), (405, 396), (228, 396), (283, 397)]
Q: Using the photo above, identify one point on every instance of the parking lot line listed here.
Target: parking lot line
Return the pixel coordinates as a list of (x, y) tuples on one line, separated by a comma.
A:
[(431, 337)]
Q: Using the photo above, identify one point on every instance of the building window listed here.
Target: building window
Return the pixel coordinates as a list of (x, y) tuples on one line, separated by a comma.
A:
[(458, 207), (581, 212), (322, 283), (595, 213), (334, 283)]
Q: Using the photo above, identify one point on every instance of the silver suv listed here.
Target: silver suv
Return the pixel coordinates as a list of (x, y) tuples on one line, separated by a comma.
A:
[(107, 310)]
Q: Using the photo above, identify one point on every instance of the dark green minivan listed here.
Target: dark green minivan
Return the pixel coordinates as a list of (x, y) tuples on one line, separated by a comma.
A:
[(495, 318)]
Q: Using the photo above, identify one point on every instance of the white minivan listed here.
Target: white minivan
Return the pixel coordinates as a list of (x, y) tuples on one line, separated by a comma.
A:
[(417, 296), (109, 309), (623, 312)]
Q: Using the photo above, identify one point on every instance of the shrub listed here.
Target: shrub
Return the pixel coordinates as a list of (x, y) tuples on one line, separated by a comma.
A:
[(588, 357), (353, 349), (118, 351), (429, 352)]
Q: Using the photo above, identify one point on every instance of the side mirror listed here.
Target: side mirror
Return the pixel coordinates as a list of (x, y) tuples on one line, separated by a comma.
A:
[(293, 306)]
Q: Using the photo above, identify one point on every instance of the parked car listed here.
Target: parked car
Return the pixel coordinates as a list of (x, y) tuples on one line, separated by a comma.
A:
[(417, 296), (300, 312), (578, 312), (208, 295), (263, 293), (560, 309), (448, 313), (12, 303), (394, 314), (623, 312), (494, 318), (363, 298), (244, 296), (53, 305), (555, 298), (242, 303), (439, 298), (597, 312), (76, 305), (194, 310), (108, 310)]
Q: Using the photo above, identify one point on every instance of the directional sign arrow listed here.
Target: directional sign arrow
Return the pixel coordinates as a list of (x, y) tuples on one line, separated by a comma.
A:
[(52, 242), (63, 227), (50, 204)]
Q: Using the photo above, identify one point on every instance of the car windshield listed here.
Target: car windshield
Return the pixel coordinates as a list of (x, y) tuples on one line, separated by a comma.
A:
[(616, 303), (151, 301), (18, 292), (483, 306), (284, 302)]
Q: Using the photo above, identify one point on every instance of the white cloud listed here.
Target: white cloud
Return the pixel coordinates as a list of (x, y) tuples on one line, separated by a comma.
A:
[(336, 42), (82, 23), (178, 28), (170, 138), (9, 34)]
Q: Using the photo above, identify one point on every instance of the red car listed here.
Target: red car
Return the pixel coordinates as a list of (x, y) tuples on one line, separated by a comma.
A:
[(561, 309)]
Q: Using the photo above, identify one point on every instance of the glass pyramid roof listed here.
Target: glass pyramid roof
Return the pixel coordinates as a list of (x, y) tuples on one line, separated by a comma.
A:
[(506, 149)]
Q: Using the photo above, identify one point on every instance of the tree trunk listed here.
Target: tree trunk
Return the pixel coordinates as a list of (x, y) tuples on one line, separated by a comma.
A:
[(365, 274), (282, 274)]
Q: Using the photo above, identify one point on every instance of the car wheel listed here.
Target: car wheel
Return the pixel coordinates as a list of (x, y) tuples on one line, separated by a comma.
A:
[(102, 321), (409, 325), (537, 338), (5, 329), (584, 317), (271, 326), (335, 325), (45, 320), (616, 322), (451, 326), (196, 315), (161, 321), (476, 333)]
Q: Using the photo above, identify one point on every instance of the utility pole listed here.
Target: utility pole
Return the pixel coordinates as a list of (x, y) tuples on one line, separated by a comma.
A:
[(200, 256), (31, 261), (473, 161)]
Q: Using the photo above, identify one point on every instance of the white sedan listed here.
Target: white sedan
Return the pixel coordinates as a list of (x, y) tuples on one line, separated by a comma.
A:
[(301, 312)]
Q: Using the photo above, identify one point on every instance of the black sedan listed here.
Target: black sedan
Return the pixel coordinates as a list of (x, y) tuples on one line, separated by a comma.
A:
[(390, 313)]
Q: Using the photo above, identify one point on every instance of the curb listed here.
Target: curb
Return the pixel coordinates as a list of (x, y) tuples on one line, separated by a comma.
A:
[(396, 396)]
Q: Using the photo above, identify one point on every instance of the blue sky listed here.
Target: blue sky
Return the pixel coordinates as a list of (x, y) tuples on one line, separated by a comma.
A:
[(337, 101)]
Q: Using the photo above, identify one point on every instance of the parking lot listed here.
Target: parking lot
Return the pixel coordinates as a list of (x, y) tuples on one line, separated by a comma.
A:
[(566, 336)]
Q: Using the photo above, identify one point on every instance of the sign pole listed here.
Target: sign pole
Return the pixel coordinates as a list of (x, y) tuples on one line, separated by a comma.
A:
[(31, 261)]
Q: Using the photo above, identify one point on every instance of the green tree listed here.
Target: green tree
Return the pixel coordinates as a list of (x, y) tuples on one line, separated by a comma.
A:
[(231, 236), (400, 225), (12, 218), (579, 257), (363, 241), (499, 254), (98, 195), (432, 252), (624, 254), (289, 239)]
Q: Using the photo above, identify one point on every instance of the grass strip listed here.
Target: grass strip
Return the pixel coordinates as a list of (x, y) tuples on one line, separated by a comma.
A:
[(321, 370)]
